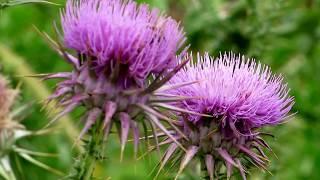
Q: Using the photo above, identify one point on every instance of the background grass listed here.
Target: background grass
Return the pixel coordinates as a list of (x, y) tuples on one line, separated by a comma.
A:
[(285, 34)]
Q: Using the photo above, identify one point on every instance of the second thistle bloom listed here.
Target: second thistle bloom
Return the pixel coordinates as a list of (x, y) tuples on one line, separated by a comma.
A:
[(242, 96)]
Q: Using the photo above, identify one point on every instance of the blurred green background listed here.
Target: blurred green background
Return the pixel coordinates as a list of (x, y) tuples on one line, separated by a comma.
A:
[(285, 34)]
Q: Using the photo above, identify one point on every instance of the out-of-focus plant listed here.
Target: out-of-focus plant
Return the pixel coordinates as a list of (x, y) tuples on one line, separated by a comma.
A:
[(8, 3), (20, 67), (11, 131)]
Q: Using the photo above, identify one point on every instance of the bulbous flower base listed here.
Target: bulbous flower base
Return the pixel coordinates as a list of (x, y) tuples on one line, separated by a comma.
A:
[(108, 102), (217, 143)]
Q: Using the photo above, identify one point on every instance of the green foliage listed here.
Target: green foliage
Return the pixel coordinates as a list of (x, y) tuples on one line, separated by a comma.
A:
[(10, 3), (282, 34)]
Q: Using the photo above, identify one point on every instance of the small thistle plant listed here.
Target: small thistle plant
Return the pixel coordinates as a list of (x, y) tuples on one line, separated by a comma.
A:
[(242, 96), (7, 125), (11, 131)]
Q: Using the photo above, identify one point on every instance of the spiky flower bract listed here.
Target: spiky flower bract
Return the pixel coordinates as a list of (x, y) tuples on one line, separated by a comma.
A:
[(125, 53), (242, 96)]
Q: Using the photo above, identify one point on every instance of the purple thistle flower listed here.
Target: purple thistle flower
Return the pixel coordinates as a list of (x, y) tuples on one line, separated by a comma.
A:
[(117, 32), (242, 96), (120, 46)]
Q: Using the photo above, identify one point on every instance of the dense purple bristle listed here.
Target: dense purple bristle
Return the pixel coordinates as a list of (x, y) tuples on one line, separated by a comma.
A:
[(235, 88), (108, 32)]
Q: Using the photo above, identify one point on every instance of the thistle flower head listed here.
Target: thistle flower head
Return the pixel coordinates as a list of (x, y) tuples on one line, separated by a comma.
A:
[(120, 47), (112, 33), (242, 96)]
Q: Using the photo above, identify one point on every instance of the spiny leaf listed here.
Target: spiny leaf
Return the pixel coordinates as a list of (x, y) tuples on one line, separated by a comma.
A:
[(7, 4), (40, 164), (35, 153)]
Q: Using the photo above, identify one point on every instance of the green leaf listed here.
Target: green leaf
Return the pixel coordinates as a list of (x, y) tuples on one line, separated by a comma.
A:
[(40, 164), (6, 4)]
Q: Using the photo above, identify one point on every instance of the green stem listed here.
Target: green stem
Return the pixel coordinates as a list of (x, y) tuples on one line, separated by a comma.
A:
[(91, 164), (93, 153)]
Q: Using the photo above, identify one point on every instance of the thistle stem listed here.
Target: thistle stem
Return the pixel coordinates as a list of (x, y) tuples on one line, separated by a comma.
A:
[(85, 166), (90, 164), (94, 150)]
